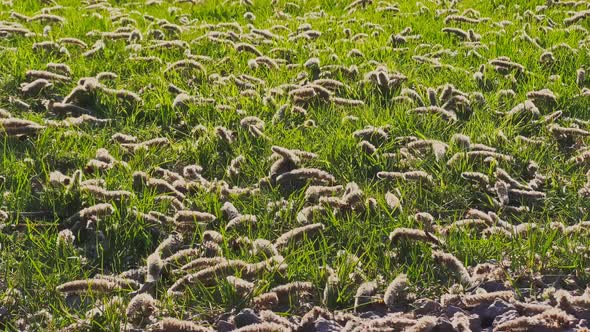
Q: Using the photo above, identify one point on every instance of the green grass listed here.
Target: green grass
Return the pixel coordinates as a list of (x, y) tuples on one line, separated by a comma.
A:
[(32, 263)]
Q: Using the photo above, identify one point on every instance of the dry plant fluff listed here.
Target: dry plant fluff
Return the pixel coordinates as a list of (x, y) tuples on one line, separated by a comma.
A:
[(297, 234), (413, 235), (454, 265), (365, 294), (89, 285), (141, 308), (396, 292), (169, 324)]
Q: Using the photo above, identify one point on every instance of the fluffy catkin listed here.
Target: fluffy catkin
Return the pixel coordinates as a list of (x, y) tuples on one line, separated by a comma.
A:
[(169, 324), (424, 324), (266, 300), (365, 294), (392, 201), (396, 292), (98, 210), (453, 264), (101, 194), (241, 220), (202, 262), (169, 245), (298, 289), (263, 327), (140, 308), (271, 317), (154, 267), (296, 234), (124, 283), (182, 257), (413, 235), (477, 299), (240, 285), (187, 216), (313, 193), (88, 285)]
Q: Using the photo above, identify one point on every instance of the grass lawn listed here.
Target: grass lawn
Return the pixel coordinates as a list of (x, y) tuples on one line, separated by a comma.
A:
[(165, 165)]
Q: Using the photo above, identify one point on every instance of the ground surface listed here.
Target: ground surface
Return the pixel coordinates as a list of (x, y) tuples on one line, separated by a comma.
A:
[(416, 150)]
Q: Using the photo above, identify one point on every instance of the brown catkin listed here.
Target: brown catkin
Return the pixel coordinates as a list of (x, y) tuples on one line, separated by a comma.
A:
[(413, 235), (263, 327), (396, 292), (187, 216), (140, 308), (203, 262), (240, 285), (241, 220), (424, 324), (296, 234), (46, 75), (35, 87), (212, 236), (392, 201), (266, 300), (169, 324), (88, 285), (182, 256), (313, 193), (479, 178), (453, 264), (101, 194), (265, 247), (477, 299), (154, 267), (98, 210), (169, 245), (271, 317), (297, 289), (244, 47), (580, 77), (365, 294), (208, 276), (124, 283)]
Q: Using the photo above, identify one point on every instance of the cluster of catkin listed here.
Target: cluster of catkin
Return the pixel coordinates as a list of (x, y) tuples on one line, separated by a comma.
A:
[(18, 127)]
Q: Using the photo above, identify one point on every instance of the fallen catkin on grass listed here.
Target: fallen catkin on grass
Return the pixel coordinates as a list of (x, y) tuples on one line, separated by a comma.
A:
[(486, 298), (124, 283), (241, 286), (98, 210), (97, 286), (396, 292), (552, 320), (392, 201), (270, 317), (297, 234), (193, 216), (140, 308), (365, 294), (241, 220), (16, 127), (413, 235), (154, 267), (170, 324), (313, 193), (297, 290), (263, 327), (453, 264), (101, 194), (418, 176), (202, 262), (266, 300)]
